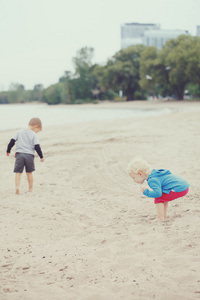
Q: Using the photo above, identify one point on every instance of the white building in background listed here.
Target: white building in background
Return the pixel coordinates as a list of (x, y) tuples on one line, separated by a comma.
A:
[(147, 34), (133, 33), (198, 30), (160, 37)]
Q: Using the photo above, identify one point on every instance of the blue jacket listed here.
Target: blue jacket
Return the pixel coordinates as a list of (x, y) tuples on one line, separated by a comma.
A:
[(163, 181)]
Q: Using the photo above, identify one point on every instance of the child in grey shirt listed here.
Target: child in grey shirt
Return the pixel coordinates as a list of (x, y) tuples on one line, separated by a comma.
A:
[(27, 144)]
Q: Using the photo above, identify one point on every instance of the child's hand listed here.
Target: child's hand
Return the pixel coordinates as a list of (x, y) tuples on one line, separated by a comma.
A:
[(42, 159), (142, 188)]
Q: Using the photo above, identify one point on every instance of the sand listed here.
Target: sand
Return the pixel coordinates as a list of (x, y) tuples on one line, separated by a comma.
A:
[(83, 232)]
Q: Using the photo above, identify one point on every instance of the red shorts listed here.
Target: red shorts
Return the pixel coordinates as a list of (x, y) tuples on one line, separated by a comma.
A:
[(171, 196)]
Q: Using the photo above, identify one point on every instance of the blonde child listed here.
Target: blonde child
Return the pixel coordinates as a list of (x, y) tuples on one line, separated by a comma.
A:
[(164, 185), (27, 143)]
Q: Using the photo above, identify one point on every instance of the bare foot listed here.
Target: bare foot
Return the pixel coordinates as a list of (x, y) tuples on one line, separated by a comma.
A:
[(17, 190), (155, 220), (30, 190)]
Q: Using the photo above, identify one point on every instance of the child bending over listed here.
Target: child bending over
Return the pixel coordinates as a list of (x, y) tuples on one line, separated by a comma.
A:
[(164, 185), (27, 143)]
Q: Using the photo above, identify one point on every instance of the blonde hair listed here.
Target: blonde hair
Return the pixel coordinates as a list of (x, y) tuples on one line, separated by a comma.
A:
[(35, 122), (138, 164)]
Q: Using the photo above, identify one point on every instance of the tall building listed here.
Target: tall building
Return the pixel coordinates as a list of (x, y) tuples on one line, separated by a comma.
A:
[(147, 34), (133, 33), (160, 37), (198, 30)]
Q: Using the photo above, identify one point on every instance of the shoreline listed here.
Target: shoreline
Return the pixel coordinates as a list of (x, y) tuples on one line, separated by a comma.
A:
[(78, 114)]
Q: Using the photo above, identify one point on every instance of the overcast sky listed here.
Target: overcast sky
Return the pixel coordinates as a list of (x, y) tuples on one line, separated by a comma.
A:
[(39, 38)]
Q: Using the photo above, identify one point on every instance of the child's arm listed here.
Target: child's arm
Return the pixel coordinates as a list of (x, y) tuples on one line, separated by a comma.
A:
[(142, 188), (10, 145), (39, 152), (156, 189)]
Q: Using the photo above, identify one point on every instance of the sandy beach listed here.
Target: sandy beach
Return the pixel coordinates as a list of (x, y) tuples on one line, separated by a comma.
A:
[(83, 233)]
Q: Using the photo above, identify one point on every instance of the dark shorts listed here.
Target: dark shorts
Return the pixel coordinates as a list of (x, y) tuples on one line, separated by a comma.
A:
[(24, 160)]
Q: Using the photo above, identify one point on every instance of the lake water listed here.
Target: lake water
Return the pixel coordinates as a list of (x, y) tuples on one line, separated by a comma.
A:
[(14, 116)]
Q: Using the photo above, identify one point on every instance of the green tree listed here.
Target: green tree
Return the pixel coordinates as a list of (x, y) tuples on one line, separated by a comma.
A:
[(148, 67), (4, 97), (65, 81), (52, 94), (154, 75), (171, 69), (175, 55), (193, 66), (78, 87), (101, 86), (83, 79), (192, 90), (16, 93), (122, 71), (37, 92)]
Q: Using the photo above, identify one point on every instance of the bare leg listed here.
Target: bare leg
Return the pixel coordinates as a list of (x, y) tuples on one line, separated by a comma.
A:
[(165, 209), (30, 181), (160, 213), (17, 182)]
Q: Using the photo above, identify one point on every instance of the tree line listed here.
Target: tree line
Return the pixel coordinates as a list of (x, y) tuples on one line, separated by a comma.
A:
[(134, 73)]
